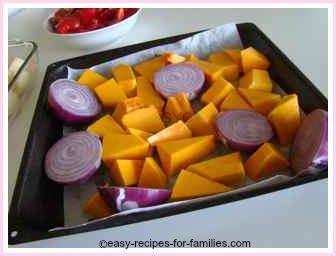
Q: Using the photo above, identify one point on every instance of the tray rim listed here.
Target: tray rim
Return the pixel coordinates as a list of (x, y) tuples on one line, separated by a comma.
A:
[(157, 213)]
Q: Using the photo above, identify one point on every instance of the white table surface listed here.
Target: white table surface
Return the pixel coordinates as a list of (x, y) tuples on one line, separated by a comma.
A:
[(295, 217)]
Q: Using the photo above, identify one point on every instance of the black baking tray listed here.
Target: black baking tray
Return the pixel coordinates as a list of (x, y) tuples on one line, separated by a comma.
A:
[(37, 203)]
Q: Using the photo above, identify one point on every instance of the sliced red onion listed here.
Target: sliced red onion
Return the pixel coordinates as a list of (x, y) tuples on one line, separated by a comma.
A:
[(74, 158), (177, 78), (243, 130), (127, 198), (310, 146), (72, 103)]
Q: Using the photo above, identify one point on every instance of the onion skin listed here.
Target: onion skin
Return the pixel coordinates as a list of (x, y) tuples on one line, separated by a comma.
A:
[(126, 198), (243, 130), (310, 147), (74, 158), (79, 105), (179, 78)]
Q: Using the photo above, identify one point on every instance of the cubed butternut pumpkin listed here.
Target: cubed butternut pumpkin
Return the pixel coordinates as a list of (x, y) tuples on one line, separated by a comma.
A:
[(105, 125), (204, 121), (285, 117), (253, 59), (235, 56), (96, 207), (173, 58), (148, 94), (123, 146), (230, 69), (262, 102), (110, 93), (190, 185), (212, 71), (177, 108), (175, 131), (257, 79), (146, 119), (142, 134), (265, 161), (152, 176), (91, 79), (234, 101), (217, 92), (125, 77), (227, 169), (177, 154), (127, 106), (149, 67), (126, 172)]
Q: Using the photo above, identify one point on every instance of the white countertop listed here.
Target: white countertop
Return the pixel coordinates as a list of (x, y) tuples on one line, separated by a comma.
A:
[(295, 217)]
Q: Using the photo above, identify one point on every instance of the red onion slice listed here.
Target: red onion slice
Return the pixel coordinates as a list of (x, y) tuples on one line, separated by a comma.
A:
[(243, 130), (127, 198), (177, 78), (74, 158), (72, 103), (310, 146)]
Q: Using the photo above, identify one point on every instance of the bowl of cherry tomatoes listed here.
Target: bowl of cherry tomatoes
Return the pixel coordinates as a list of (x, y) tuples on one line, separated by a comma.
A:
[(87, 28)]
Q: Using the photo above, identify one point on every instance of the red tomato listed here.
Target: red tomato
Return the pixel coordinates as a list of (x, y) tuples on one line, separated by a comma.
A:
[(130, 11), (67, 24), (86, 15), (120, 14)]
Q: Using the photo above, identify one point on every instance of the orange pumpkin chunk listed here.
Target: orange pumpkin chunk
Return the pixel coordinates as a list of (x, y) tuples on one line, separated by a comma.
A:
[(265, 161)]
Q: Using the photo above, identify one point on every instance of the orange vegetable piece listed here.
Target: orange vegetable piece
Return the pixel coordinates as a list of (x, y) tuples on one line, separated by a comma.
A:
[(230, 69), (204, 121), (144, 135), (285, 118), (105, 125), (177, 108), (175, 131), (152, 175), (262, 102), (234, 101), (256, 79), (235, 56), (125, 77), (140, 133), (110, 93), (91, 79), (96, 207), (146, 119), (123, 146), (127, 106), (173, 58), (190, 185), (212, 71), (265, 161), (253, 59), (126, 172), (148, 94), (148, 68), (217, 92), (227, 169), (177, 154)]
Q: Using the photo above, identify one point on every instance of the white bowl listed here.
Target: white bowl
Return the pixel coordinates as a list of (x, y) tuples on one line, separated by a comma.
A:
[(95, 38)]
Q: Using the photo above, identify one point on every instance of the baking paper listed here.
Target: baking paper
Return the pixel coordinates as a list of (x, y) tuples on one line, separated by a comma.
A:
[(201, 45)]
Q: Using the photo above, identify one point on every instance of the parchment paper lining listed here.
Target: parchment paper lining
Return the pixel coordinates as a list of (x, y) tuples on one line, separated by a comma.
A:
[(201, 45)]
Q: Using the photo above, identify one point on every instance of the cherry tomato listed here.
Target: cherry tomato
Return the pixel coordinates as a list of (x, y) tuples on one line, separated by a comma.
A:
[(120, 14), (108, 14), (130, 11), (62, 28), (67, 24), (86, 15)]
